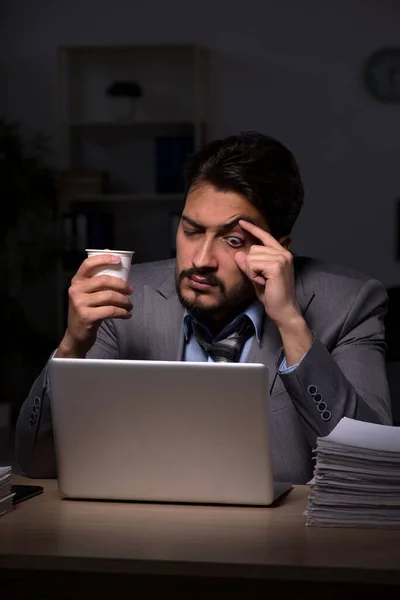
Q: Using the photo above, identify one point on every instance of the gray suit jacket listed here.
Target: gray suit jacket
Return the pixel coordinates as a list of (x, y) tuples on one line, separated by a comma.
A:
[(345, 364)]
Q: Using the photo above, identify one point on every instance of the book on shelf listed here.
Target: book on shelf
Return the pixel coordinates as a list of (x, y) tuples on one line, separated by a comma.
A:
[(85, 230)]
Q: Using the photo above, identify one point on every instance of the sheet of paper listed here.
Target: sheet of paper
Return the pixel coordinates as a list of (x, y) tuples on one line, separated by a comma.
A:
[(360, 434)]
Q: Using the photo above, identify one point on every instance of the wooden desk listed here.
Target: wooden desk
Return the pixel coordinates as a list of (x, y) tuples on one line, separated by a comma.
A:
[(73, 549)]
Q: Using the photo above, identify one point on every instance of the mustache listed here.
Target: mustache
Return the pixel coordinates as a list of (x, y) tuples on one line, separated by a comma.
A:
[(210, 277)]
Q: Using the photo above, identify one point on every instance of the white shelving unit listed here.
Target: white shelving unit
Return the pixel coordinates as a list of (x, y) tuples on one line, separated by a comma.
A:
[(94, 137)]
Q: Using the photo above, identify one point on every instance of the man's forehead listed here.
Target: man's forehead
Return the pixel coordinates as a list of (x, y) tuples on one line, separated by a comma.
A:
[(212, 208)]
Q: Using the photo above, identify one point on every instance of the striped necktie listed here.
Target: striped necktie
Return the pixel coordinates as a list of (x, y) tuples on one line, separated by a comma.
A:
[(228, 349)]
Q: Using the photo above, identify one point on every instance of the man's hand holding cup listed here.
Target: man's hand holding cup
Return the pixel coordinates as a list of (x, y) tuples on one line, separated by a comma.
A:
[(99, 290)]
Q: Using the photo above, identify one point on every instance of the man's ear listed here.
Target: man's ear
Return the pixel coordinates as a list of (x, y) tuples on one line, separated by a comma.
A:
[(285, 241)]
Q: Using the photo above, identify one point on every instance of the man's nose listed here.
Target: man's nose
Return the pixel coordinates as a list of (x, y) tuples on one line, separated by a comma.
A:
[(204, 257)]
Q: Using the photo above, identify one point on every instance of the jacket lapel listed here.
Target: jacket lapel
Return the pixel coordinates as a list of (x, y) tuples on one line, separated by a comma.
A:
[(163, 322)]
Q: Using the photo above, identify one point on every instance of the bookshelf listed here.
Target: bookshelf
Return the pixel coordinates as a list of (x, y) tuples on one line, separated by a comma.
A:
[(120, 159)]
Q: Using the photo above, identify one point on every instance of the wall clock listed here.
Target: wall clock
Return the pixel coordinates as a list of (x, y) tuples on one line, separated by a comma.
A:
[(382, 74)]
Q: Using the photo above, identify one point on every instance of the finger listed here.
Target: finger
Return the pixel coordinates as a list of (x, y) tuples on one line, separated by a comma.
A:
[(261, 254), (266, 251), (259, 280), (108, 298), (256, 272), (98, 314), (266, 238), (242, 261), (269, 268), (269, 262), (89, 265), (103, 282)]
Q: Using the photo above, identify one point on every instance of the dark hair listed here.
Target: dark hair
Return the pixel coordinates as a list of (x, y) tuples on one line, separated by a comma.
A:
[(257, 166)]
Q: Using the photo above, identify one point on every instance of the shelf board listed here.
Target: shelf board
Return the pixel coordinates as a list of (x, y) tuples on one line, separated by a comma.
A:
[(126, 198), (158, 127), (131, 47)]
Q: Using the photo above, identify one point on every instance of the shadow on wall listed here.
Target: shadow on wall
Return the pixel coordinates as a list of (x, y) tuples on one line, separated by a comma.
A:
[(29, 245)]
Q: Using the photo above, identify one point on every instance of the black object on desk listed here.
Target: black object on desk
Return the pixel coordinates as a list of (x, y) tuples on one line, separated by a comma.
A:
[(23, 492)]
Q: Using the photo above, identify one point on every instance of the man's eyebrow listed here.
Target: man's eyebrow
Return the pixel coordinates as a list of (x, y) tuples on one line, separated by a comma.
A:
[(233, 222), (192, 222), (224, 227)]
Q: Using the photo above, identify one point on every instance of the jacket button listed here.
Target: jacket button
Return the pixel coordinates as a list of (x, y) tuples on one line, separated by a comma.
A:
[(312, 390), (326, 415), (36, 401), (322, 406), (318, 397)]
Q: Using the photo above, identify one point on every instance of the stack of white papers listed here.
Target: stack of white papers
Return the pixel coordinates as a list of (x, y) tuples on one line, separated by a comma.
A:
[(6, 495), (357, 477)]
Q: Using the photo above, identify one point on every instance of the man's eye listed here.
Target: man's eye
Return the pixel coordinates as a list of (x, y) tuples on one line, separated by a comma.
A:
[(234, 241), (189, 233)]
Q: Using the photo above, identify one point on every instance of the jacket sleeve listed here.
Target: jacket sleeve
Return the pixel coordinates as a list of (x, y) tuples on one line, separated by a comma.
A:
[(34, 442), (350, 378)]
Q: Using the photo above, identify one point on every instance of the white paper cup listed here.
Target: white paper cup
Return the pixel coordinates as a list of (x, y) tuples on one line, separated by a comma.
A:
[(120, 269)]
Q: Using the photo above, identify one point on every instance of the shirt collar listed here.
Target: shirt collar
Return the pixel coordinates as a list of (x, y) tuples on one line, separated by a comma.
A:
[(255, 312)]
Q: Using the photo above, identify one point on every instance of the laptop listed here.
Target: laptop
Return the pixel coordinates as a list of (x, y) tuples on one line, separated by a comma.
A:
[(162, 431)]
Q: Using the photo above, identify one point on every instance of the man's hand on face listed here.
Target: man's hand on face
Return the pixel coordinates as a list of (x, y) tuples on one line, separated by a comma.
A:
[(270, 267), (91, 300)]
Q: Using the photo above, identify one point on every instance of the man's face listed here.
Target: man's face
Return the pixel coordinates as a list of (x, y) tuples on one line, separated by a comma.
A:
[(208, 280)]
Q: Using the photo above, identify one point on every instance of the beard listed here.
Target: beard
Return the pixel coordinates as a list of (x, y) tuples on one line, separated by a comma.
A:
[(231, 302)]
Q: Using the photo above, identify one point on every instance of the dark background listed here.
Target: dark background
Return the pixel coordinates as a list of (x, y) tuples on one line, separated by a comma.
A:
[(291, 69)]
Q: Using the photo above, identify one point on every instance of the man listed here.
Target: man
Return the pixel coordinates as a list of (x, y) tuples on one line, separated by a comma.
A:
[(318, 328)]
